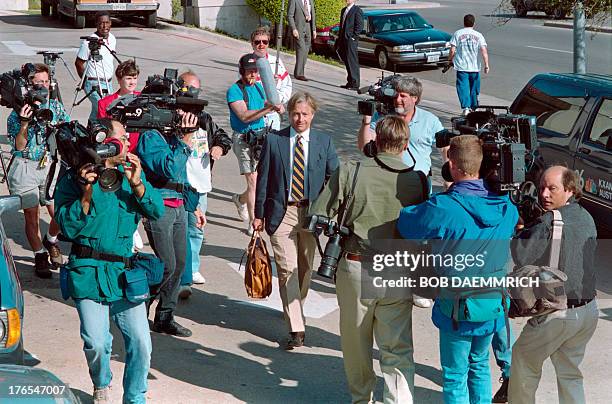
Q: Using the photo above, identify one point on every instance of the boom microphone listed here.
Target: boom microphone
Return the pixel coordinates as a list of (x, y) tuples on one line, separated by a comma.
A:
[(267, 80)]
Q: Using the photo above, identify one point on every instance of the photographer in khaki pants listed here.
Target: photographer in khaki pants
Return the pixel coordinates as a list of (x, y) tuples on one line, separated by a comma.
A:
[(379, 194)]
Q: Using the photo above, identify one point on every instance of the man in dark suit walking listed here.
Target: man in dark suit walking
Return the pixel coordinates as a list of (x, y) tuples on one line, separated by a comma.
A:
[(295, 163), (301, 17), (351, 24)]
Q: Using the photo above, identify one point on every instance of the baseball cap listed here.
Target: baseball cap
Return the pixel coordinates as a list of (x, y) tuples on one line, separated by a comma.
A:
[(248, 61)]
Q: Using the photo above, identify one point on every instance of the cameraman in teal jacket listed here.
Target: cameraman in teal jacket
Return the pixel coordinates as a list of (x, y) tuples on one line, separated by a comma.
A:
[(471, 219), (104, 222)]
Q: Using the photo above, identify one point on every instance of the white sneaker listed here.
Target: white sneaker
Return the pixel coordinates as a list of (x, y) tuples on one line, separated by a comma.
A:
[(198, 279), (250, 230), (466, 111), (243, 211), (421, 302), (100, 395)]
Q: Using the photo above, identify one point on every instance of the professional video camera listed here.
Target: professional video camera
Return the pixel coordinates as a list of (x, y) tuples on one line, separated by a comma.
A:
[(94, 44), (508, 145), (333, 249), (17, 91), (383, 92), (78, 146), (156, 107)]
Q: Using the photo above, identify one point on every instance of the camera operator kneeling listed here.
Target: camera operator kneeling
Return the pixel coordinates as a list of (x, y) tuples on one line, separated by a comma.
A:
[(381, 188), (100, 225)]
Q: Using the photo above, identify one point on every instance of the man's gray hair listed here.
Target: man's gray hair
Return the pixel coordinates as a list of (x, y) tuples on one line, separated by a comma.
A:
[(410, 85)]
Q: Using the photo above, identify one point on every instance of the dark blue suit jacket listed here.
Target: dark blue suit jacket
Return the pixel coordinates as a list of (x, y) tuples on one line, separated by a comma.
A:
[(274, 173)]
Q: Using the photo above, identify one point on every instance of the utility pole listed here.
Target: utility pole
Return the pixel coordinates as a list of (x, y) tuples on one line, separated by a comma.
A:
[(579, 39)]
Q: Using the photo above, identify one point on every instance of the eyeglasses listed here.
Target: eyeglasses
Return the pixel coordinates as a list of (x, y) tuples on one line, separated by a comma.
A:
[(261, 42)]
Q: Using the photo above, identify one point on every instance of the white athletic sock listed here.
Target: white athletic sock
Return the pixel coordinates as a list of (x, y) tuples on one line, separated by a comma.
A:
[(52, 239), (42, 250)]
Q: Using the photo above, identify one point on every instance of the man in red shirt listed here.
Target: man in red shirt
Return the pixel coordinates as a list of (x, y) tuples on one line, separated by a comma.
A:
[(127, 76)]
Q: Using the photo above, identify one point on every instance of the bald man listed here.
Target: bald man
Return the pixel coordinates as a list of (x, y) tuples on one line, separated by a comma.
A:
[(562, 335)]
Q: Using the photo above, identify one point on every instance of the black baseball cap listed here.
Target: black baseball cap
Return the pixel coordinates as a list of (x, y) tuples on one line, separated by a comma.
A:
[(248, 61)]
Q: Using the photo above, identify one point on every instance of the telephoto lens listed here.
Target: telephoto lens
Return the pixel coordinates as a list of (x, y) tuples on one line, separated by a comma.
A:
[(331, 256)]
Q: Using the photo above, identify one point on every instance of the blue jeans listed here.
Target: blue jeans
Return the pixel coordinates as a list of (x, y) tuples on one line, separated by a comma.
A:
[(94, 97), (131, 319), (465, 368), (195, 237), (503, 351), (468, 88)]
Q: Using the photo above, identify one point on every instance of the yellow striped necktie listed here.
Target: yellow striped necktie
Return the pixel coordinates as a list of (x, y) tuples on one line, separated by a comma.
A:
[(297, 178)]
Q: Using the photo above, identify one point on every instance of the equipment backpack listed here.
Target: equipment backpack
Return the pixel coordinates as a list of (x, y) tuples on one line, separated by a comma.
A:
[(258, 271), (549, 294)]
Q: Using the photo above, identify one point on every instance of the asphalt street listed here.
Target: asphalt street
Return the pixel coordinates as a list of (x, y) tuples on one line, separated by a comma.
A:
[(234, 354)]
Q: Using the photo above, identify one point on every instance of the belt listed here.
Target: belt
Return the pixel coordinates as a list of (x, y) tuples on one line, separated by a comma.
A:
[(574, 303), (299, 204), (173, 186), (81, 251), (96, 79)]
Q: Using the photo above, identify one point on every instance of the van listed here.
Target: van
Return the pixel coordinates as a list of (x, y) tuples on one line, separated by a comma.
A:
[(80, 11), (574, 125)]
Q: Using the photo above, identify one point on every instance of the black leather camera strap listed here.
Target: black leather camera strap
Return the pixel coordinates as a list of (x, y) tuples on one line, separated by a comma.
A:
[(82, 251)]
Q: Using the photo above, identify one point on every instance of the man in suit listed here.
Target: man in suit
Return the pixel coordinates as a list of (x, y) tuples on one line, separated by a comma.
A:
[(301, 17), (351, 24), (295, 163)]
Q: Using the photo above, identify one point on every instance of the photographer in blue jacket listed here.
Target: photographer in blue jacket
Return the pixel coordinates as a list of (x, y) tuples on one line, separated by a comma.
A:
[(468, 218), (101, 224)]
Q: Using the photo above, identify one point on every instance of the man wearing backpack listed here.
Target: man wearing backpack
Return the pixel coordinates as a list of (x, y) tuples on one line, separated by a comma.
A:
[(247, 107), (561, 335), (474, 219)]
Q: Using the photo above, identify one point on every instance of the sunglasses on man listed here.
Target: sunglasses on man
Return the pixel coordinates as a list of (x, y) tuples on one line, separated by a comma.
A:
[(261, 42)]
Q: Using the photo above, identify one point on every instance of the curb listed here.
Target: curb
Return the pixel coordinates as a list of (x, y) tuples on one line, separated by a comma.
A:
[(559, 24)]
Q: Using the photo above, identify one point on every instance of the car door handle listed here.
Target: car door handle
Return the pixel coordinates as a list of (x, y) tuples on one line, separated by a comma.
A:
[(584, 150)]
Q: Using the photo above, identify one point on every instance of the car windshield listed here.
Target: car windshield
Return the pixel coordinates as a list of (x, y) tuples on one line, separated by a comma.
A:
[(397, 22)]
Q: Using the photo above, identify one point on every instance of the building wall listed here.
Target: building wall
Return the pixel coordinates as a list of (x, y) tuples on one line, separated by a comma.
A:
[(232, 16), (13, 4)]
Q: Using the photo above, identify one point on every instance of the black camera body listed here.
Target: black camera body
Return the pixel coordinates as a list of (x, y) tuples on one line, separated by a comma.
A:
[(255, 139), (79, 146), (508, 144), (383, 92), (333, 248), (157, 106), (17, 91), (94, 44)]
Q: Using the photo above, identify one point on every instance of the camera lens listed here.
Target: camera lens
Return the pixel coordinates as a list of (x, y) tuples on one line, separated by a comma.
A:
[(110, 179)]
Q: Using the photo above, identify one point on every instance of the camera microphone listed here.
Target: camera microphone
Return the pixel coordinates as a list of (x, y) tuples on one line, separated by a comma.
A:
[(267, 80), (191, 101)]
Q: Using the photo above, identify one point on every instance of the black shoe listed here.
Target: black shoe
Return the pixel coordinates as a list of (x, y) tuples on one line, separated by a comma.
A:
[(42, 268), (301, 78), (347, 85), (353, 88), (296, 340), (502, 394), (171, 328)]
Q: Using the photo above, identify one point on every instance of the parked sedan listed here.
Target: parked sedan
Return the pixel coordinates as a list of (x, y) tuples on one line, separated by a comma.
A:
[(400, 38), (11, 296)]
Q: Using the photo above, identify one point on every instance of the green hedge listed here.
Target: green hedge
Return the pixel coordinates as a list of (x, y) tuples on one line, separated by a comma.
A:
[(327, 11)]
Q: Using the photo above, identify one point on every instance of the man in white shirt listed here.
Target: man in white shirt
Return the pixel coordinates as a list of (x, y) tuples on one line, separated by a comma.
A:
[(260, 40), (98, 74), (466, 44)]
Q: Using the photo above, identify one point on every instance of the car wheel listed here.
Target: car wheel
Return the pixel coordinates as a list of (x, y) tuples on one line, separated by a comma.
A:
[(557, 13), (79, 21), (45, 8), (151, 20), (383, 58)]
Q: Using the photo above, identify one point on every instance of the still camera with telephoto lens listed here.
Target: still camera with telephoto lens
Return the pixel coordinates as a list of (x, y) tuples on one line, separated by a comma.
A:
[(157, 107), (333, 249), (16, 90), (79, 146)]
